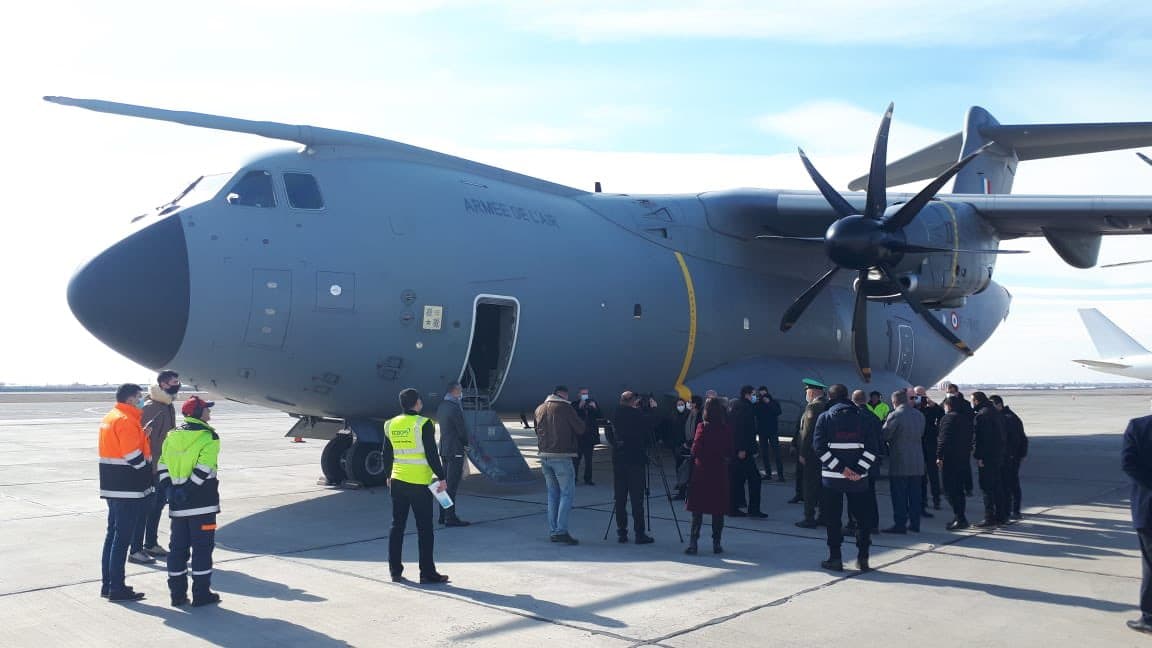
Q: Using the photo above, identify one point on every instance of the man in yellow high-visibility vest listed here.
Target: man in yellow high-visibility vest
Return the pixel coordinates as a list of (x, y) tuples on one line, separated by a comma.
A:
[(410, 457)]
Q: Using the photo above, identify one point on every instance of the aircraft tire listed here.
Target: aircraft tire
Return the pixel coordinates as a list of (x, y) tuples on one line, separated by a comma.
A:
[(365, 464), (332, 459)]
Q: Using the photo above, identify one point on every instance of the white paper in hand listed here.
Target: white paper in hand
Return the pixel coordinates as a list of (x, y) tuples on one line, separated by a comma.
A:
[(442, 497)]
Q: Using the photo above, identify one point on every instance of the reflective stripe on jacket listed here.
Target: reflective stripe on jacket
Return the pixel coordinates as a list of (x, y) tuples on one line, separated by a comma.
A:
[(409, 463), (125, 456), (188, 462)]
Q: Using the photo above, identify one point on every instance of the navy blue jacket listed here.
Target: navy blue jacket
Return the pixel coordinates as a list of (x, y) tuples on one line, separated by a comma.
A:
[(1136, 459), (842, 440)]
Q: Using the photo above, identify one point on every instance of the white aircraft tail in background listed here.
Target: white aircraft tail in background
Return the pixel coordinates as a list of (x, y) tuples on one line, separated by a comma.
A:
[(1119, 353)]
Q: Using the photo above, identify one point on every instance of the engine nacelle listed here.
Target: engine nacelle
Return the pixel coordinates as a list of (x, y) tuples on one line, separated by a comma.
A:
[(947, 278)]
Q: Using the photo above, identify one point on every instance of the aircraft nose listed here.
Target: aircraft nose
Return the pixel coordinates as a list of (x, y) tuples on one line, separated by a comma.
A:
[(134, 296)]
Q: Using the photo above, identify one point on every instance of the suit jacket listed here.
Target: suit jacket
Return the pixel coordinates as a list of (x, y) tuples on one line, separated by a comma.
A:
[(1136, 460)]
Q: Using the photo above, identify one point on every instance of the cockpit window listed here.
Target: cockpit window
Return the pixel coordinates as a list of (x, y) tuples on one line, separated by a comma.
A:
[(253, 190), (303, 192)]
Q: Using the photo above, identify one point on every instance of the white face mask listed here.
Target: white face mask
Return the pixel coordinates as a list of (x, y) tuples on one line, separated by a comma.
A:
[(680, 408), (583, 397), (140, 401)]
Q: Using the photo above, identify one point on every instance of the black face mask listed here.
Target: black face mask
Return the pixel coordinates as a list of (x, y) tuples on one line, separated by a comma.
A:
[(173, 390)]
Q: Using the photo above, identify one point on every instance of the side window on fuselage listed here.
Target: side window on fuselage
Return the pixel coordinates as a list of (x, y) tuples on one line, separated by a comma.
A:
[(254, 189), (303, 191)]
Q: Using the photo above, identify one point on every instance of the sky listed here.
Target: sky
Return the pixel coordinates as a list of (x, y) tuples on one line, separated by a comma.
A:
[(668, 97)]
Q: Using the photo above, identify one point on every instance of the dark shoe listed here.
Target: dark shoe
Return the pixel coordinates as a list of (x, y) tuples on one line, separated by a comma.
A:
[(807, 524), (400, 579), (589, 483), (1140, 625), (141, 558), (434, 579), (896, 529), (833, 564), (780, 478), (986, 524), (180, 602), (926, 514), (716, 548), (565, 538), (692, 549), (914, 529), (679, 497), (757, 514), (737, 513), (644, 539), (1015, 515), (851, 526), (622, 537), (156, 551), (211, 598), (796, 500), (126, 595), (456, 522), (957, 525), (862, 564)]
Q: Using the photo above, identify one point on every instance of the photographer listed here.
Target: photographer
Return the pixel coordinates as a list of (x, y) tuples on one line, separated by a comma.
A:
[(589, 412), (631, 434)]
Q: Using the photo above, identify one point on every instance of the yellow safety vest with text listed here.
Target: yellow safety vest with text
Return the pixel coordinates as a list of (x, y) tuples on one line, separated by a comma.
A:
[(409, 463)]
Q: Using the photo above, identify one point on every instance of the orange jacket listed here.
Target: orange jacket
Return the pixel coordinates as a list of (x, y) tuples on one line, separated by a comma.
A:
[(125, 455)]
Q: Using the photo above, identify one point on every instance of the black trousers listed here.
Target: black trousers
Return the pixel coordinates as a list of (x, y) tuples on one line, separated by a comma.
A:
[(952, 476), (1145, 536), (417, 499), (195, 535), (967, 475), (812, 489), (454, 467), (771, 441), (873, 504), (995, 504), (584, 453), (832, 512), (628, 483), (1010, 477), (698, 523), (745, 479), (931, 480)]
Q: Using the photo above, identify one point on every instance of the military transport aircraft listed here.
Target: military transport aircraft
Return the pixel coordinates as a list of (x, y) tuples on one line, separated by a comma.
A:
[(1120, 354), (322, 279)]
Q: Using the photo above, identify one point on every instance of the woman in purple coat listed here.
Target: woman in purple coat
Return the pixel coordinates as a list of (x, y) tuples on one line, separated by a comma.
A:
[(712, 451)]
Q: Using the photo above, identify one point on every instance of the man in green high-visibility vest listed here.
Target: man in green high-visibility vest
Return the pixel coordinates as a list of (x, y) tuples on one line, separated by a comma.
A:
[(410, 457)]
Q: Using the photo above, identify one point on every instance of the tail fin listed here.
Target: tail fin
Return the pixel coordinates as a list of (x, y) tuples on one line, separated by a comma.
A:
[(1110, 340), (994, 171)]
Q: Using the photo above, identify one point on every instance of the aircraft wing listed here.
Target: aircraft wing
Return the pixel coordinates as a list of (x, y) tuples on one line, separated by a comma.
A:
[(1102, 365)]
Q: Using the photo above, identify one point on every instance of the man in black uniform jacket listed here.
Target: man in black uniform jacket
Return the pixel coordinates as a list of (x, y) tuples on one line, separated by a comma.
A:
[(1136, 459), (988, 448), (1017, 449), (631, 433), (953, 456), (932, 415), (744, 471)]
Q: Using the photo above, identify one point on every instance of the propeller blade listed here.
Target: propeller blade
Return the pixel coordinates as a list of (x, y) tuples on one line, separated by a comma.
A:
[(1125, 263), (860, 331), (804, 239), (924, 313), (803, 301), (1145, 158), (877, 171), (831, 195), (908, 212)]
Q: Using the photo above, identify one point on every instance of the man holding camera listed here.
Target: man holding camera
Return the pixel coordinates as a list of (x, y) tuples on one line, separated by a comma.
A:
[(589, 413), (632, 432)]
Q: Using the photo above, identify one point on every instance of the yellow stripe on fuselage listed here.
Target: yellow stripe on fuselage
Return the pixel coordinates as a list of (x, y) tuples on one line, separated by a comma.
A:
[(681, 389)]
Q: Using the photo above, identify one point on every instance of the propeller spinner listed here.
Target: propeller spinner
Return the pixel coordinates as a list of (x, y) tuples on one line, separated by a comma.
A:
[(873, 240)]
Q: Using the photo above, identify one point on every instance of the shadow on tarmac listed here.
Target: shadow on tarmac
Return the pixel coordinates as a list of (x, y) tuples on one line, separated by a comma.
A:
[(223, 627), (241, 583)]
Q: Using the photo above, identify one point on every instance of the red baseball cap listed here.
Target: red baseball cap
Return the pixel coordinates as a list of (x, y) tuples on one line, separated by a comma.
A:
[(195, 406)]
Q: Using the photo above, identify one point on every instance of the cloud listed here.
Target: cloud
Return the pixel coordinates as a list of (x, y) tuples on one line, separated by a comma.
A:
[(838, 127)]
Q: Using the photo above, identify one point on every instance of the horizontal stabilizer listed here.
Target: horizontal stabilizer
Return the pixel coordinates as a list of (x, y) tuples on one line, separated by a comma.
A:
[(1102, 365), (1028, 141), (1110, 340)]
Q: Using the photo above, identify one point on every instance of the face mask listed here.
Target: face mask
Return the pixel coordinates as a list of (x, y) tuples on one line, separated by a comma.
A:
[(173, 390), (754, 398), (583, 397), (140, 402), (680, 408)]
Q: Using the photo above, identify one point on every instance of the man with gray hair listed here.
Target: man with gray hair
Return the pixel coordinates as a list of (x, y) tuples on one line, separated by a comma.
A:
[(453, 448), (904, 432)]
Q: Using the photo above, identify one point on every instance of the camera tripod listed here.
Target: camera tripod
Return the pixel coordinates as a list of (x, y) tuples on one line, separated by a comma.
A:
[(649, 461)]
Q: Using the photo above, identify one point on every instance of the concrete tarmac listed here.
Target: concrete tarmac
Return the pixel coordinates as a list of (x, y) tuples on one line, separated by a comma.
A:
[(300, 564)]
